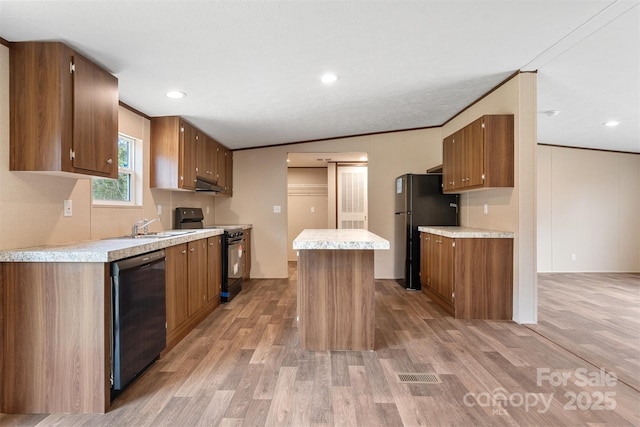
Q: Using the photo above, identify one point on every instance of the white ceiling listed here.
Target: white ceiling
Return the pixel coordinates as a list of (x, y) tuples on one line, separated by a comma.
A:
[(251, 69)]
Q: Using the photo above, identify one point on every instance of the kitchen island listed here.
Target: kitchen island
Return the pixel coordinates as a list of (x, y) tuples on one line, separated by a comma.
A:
[(336, 289)]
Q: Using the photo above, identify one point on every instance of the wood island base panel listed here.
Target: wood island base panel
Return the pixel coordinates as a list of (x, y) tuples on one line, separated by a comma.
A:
[(336, 306), (336, 288)]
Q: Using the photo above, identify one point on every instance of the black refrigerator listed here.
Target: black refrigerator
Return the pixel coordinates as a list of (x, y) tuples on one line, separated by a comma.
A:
[(419, 202)]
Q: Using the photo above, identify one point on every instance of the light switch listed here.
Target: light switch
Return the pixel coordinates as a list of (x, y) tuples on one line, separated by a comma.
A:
[(313, 209), (159, 210), (486, 209), (277, 209)]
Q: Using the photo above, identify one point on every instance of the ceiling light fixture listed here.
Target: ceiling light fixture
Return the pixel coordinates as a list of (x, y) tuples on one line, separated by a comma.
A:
[(551, 113), (176, 94), (328, 78), (611, 123)]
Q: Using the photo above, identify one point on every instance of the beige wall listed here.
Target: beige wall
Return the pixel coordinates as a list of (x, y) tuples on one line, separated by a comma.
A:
[(306, 208), (31, 204), (588, 205)]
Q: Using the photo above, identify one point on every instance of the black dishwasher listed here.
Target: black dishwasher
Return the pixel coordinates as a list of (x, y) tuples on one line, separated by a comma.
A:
[(139, 316)]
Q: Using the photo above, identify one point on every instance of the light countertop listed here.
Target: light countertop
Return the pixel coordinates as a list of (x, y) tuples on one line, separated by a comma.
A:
[(339, 239), (105, 250), (466, 232)]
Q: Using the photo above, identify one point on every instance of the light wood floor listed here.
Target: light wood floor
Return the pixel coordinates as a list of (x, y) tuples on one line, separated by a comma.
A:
[(596, 316), (243, 366)]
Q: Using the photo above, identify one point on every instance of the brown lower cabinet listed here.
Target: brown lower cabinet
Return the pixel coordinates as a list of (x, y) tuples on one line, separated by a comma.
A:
[(193, 277), (471, 278), (56, 324)]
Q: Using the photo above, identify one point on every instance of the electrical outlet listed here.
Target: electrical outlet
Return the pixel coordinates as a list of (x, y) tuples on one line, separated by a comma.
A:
[(485, 209), (68, 208), (277, 209), (313, 209), (159, 210), (573, 257), (207, 209)]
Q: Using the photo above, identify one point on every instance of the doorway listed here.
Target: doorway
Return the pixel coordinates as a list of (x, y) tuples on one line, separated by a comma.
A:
[(352, 206), (318, 196)]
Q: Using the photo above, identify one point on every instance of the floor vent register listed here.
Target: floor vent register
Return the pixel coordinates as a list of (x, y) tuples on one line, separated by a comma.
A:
[(421, 378)]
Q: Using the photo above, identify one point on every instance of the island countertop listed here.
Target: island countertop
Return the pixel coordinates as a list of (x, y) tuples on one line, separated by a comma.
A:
[(105, 250), (339, 239), (466, 232)]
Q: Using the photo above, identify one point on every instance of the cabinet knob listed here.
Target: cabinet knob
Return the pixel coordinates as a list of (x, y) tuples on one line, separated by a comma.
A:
[(192, 249), (109, 161), (183, 251)]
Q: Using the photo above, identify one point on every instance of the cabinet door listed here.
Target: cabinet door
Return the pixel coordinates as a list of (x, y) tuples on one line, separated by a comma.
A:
[(446, 271), (228, 170), (214, 284), (221, 170), (95, 119), (448, 163), (473, 154), (442, 268), (198, 275), (206, 158), (425, 271), (188, 156), (176, 292)]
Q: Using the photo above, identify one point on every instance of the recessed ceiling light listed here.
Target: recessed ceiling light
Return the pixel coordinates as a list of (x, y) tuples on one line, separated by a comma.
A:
[(328, 78), (611, 123), (176, 94)]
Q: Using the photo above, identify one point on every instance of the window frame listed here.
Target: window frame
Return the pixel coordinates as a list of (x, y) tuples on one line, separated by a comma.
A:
[(134, 172)]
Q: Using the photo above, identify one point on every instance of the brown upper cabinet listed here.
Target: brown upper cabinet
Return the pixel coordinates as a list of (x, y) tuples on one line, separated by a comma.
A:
[(225, 169), (480, 155), (64, 112), (182, 153), (174, 152), (207, 156)]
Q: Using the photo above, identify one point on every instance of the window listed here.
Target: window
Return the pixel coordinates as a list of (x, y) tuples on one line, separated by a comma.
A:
[(119, 191)]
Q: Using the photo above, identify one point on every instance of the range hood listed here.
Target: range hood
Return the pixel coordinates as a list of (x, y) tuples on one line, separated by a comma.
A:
[(204, 185)]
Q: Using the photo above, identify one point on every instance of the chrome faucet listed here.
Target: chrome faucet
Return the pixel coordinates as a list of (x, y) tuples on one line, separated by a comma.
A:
[(142, 224)]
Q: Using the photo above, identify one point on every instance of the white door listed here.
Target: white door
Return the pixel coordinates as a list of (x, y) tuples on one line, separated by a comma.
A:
[(352, 197)]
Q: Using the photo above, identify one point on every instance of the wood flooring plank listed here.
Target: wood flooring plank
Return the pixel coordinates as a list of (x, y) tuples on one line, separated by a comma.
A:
[(214, 412), (244, 391), (302, 398), (280, 411)]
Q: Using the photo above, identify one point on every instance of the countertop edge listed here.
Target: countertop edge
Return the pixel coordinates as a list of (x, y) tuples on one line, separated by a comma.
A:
[(334, 239), (104, 250), (466, 232)]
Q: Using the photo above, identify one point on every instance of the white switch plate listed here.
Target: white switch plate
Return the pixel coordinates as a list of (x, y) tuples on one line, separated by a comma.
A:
[(573, 257), (277, 209), (313, 209), (68, 208), (485, 209), (159, 210), (207, 209)]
